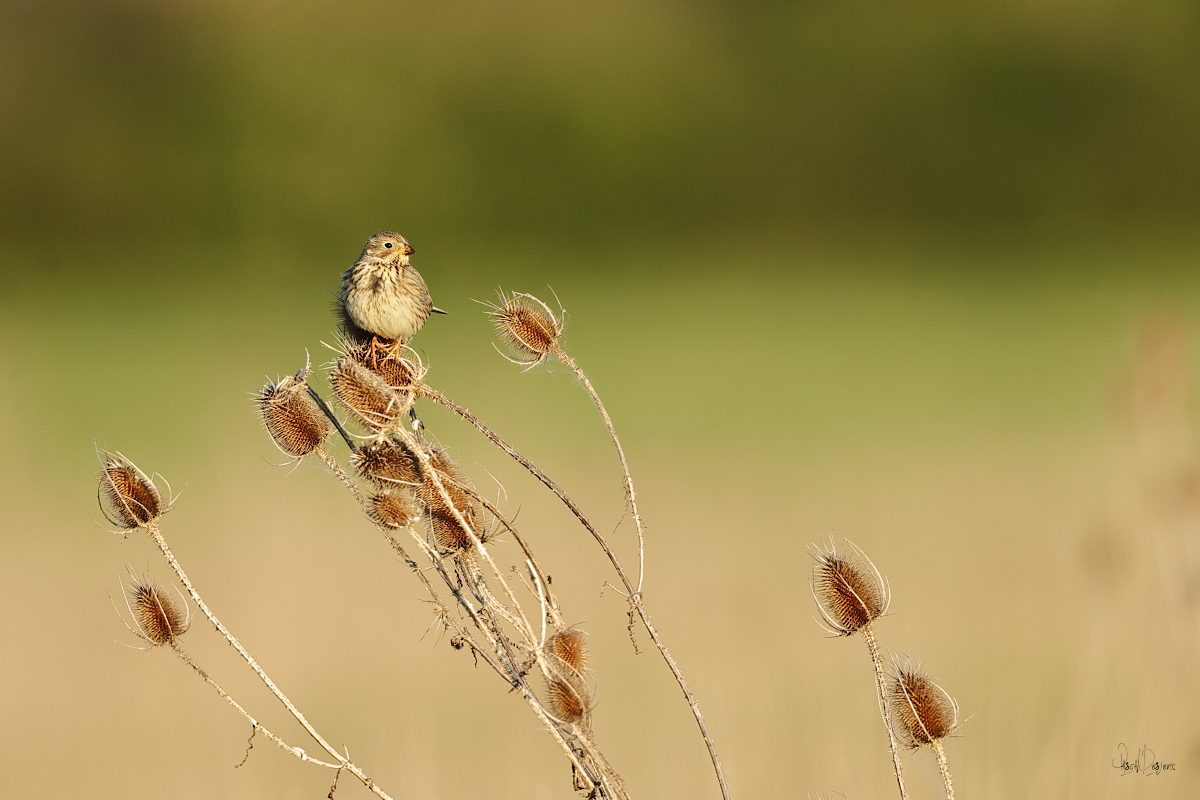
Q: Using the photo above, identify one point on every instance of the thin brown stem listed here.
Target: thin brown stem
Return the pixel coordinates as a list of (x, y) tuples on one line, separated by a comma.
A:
[(881, 693), (258, 726), (634, 594), (627, 478), (156, 534)]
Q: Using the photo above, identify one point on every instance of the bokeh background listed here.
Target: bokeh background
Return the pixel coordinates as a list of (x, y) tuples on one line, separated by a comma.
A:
[(923, 275)]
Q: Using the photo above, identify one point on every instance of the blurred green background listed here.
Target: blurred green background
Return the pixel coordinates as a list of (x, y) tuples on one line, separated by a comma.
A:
[(922, 274)]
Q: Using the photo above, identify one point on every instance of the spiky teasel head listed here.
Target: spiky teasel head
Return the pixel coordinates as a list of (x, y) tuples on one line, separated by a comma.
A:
[(387, 463), (159, 618), (921, 711), (849, 591), (567, 651), (394, 508), (447, 530), (400, 368), (128, 498), (292, 418), (527, 327), (570, 700), (377, 406), (566, 667)]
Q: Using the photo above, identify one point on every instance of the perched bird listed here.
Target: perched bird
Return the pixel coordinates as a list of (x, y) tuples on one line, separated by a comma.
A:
[(383, 296)]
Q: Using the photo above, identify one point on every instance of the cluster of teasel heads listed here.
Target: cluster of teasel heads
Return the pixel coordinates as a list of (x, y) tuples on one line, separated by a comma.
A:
[(413, 491), (851, 595)]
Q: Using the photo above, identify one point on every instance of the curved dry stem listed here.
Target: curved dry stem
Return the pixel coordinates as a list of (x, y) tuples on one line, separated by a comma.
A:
[(160, 540), (258, 726), (630, 494), (868, 633), (633, 593)]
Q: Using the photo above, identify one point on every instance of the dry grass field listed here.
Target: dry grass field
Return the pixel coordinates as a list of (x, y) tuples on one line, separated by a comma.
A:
[(1018, 458)]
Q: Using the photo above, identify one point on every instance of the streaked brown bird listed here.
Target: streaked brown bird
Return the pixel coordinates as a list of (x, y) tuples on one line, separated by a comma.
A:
[(384, 299)]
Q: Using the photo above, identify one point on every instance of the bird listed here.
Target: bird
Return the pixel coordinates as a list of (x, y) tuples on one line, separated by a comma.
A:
[(383, 296)]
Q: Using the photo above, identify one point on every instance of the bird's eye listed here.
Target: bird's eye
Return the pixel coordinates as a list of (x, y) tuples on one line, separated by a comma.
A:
[(387, 244)]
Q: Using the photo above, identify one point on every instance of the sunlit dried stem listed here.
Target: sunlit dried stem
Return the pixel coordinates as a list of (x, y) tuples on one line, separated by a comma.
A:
[(634, 594), (881, 694), (157, 536)]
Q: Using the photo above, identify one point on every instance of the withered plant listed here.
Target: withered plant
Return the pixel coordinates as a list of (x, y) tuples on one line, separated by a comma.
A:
[(851, 596), (486, 584)]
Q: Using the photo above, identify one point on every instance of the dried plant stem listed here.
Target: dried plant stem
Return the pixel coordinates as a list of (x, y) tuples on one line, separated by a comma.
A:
[(156, 534), (634, 594), (880, 678), (341, 474), (630, 494), (337, 423), (598, 770), (939, 750), (258, 726)]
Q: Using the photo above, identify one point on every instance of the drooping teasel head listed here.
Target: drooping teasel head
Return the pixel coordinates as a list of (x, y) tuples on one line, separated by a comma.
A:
[(387, 463), (292, 418), (527, 327), (128, 498), (394, 508), (921, 711), (849, 591), (366, 396), (399, 368), (158, 616)]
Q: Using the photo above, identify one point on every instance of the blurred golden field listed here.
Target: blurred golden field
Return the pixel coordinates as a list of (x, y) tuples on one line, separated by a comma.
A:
[(1019, 462), (926, 277)]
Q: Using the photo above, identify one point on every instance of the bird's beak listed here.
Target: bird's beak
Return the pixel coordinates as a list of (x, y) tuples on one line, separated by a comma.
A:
[(408, 250)]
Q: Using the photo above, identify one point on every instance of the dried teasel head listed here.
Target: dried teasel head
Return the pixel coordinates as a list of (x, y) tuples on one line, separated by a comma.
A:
[(567, 651), (849, 591), (387, 463), (401, 369), (394, 508), (570, 700), (921, 711), (159, 617), (527, 327), (447, 530), (366, 396), (566, 685), (128, 498), (292, 418)]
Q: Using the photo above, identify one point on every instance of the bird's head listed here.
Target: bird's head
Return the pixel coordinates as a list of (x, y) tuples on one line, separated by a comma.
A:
[(388, 246)]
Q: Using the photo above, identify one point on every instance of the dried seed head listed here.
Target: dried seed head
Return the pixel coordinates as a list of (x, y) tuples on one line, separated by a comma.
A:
[(128, 498), (402, 369), (849, 591), (292, 418), (158, 616), (568, 651), (365, 395), (394, 508), (387, 463), (921, 711), (527, 326), (570, 700), (447, 531)]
